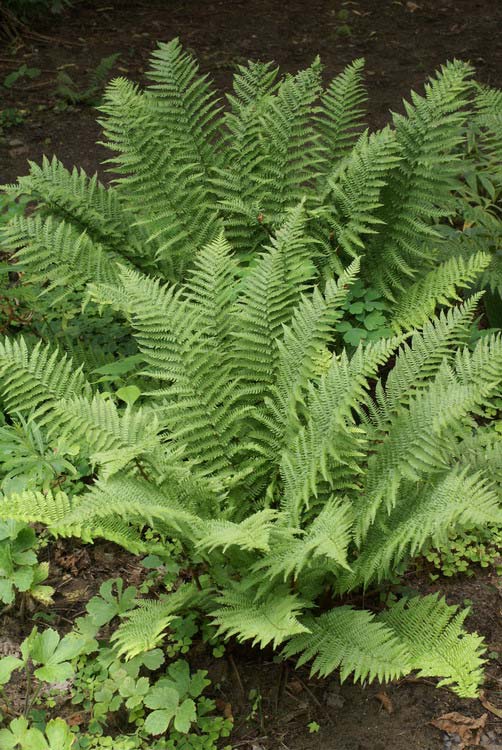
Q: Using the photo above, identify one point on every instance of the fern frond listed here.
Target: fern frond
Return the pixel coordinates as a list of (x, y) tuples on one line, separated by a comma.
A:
[(251, 534), (419, 190), (329, 446), (143, 628), (272, 619), (310, 331), (439, 286), (81, 201), (210, 286), (114, 439), (437, 643), (32, 382), (459, 499), (419, 361), (239, 182), (268, 296), (137, 500), (200, 381), (325, 541), (164, 189), (187, 105), (353, 195), (291, 142), (341, 111), (53, 509), (57, 252), (353, 641), (418, 442)]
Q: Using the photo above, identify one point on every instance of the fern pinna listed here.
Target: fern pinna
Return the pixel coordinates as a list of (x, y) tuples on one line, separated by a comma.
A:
[(290, 469)]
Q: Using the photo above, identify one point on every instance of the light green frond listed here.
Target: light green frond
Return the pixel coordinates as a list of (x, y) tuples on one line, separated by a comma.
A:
[(268, 296), (419, 190), (239, 184), (272, 619), (310, 330), (201, 402), (353, 641), (489, 119), (438, 287), (251, 534), (273, 153), (483, 366), (32, 382), (186, 103), (159, 184), (438, 645), (211, 287), (482, 452), (341, 111), (53, 510), (291, 143), (81, 201), (328, 448), (459, 499), (324, 542), (419, 361), (418, 443), (144, 628), (353, 195), (113, 438), (58, 253), (136, 500)]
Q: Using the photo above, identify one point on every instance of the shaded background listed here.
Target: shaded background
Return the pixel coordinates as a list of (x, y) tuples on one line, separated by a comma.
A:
[(403, 43)]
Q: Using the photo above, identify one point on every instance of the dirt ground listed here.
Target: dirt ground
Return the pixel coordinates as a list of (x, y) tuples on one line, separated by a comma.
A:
[(403, 43)]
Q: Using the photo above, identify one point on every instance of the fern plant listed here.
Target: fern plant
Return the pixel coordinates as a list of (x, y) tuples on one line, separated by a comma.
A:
[(294, 473)]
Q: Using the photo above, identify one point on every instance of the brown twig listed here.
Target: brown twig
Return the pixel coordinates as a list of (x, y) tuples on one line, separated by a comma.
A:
[(237, 675)]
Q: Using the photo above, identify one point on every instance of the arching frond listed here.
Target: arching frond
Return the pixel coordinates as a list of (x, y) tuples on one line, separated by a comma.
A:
[(32, 382), (437, 643), (273, 619), (341, 111), (354, 642)]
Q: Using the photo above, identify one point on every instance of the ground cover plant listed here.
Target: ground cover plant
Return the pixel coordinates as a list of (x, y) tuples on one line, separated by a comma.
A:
[(289, 383)]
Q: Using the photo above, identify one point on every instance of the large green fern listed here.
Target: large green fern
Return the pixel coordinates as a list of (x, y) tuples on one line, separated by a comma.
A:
[(291, 470)]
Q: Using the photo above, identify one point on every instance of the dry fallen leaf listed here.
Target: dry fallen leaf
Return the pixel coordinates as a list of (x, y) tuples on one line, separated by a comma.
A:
[(386, 702), (295, 686), (489, 706), (412, 7), (468, 729)]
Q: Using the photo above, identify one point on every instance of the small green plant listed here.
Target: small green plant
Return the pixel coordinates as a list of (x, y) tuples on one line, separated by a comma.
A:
[(20, 571), (9, 118), (21, 735), (465, 552), (313, 727), (102, 683), (24, 71), (367, 315), (89, 94), (29, 460)]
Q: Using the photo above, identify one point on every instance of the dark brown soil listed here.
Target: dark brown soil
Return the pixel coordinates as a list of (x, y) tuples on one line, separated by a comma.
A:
[(403, 43)]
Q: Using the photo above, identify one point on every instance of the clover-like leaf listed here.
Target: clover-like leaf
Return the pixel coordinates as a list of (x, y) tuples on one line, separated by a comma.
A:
[(185, 715), (7, 666), (54, 654), (165, 700)]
